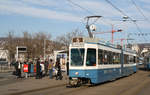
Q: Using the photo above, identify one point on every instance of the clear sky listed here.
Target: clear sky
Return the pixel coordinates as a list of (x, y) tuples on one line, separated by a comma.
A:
[(60, 16)]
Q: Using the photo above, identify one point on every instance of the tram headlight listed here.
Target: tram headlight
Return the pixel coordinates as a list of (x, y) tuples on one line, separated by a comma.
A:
[(76, 73)]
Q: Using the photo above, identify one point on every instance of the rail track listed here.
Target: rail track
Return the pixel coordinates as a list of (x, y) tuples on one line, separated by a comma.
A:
[(57, 89)]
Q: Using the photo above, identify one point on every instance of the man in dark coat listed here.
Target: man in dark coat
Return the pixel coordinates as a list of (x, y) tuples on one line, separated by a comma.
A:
[(59, 73), (46, 63), (67, 65), (38, 69), (16, 68)]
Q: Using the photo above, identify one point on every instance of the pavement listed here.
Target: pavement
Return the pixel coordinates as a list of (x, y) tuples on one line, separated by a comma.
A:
[(136, 84), (16, 86)]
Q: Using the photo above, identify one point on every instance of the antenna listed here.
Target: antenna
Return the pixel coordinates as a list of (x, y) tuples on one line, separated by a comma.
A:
[(88, 26)]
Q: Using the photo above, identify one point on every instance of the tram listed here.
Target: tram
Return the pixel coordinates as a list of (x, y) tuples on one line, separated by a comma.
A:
[(93, 61), (147, 61)]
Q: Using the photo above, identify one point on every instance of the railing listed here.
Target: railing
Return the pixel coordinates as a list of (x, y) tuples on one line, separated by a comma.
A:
[(5, 67)]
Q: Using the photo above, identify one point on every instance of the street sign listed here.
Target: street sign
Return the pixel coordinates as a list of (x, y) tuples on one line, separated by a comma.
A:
[(21, 49)]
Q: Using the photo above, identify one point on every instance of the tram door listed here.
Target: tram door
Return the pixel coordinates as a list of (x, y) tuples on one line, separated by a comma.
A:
[(91, 57), (91, 64)]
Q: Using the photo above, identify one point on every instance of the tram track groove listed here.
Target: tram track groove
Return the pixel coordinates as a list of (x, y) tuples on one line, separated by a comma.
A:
[(134, 86), (36, 90)]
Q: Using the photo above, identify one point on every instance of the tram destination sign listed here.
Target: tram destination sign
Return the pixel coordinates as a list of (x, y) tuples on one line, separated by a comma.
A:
[(84, 40)]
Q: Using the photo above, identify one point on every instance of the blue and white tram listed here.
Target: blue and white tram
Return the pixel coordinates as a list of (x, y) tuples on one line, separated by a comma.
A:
[(94, 62), (147, 61)]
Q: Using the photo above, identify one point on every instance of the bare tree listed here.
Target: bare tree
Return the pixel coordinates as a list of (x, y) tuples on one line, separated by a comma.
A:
[(33, 42), (38, 40), (9, 45), (67, 38)]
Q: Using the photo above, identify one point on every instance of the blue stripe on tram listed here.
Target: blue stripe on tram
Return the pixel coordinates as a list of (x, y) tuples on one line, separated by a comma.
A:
[(102, 75)]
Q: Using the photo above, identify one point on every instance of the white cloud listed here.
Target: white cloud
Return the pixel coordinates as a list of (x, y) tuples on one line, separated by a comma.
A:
[(145, 1), (42, 2), (37, 12)]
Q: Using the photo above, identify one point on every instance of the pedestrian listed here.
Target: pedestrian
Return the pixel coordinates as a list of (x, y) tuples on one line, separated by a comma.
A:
[(29, 67), (59, 73), (19, 68), (16, 68), (26, 69), (50, 67), (46, 64), (41, 68), (38, 69), (67, 65)]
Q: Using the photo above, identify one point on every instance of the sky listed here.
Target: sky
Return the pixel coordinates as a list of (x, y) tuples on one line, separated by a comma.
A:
[(58, 17)]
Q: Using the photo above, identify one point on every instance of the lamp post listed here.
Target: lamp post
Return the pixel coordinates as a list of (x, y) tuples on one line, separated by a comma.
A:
[(44, 48)]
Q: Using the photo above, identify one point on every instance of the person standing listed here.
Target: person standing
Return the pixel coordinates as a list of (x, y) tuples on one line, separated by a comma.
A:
[(16, 68), (50, 67), (41, 68), (19, 69), (59, 73), (26, 69), (38, 69), (67, 65), (29, 67), (46, 63)]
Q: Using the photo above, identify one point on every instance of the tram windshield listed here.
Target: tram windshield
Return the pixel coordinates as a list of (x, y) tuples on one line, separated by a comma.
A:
[(77, 57)]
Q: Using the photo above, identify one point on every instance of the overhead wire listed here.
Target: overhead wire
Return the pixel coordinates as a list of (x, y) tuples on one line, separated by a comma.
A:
[(92, 13), (139, 9), (75, 4), (138, 28), (85, 9), (71, 4), (81, 7), (115, 7)]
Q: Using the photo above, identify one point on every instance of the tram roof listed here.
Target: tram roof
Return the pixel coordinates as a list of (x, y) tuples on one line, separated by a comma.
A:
[(82, 40)]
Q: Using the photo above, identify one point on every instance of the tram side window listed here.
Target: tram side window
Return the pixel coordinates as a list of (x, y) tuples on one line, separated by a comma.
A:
[(116, 58), (126, 58), (110, 55), (100, 56), (131, 59), (147, 60), (137, 59), (105, 59), (91, 57), (134, 59)]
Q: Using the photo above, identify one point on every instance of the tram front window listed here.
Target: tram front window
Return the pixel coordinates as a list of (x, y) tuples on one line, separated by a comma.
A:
[(77, 57), (91, 57)]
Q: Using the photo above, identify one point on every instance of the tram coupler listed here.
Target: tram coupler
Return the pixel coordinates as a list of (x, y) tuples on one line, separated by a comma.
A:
[(74, 82)]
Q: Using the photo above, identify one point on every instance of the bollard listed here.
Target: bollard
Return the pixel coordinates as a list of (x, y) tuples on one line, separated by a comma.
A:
[(26, 75)]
